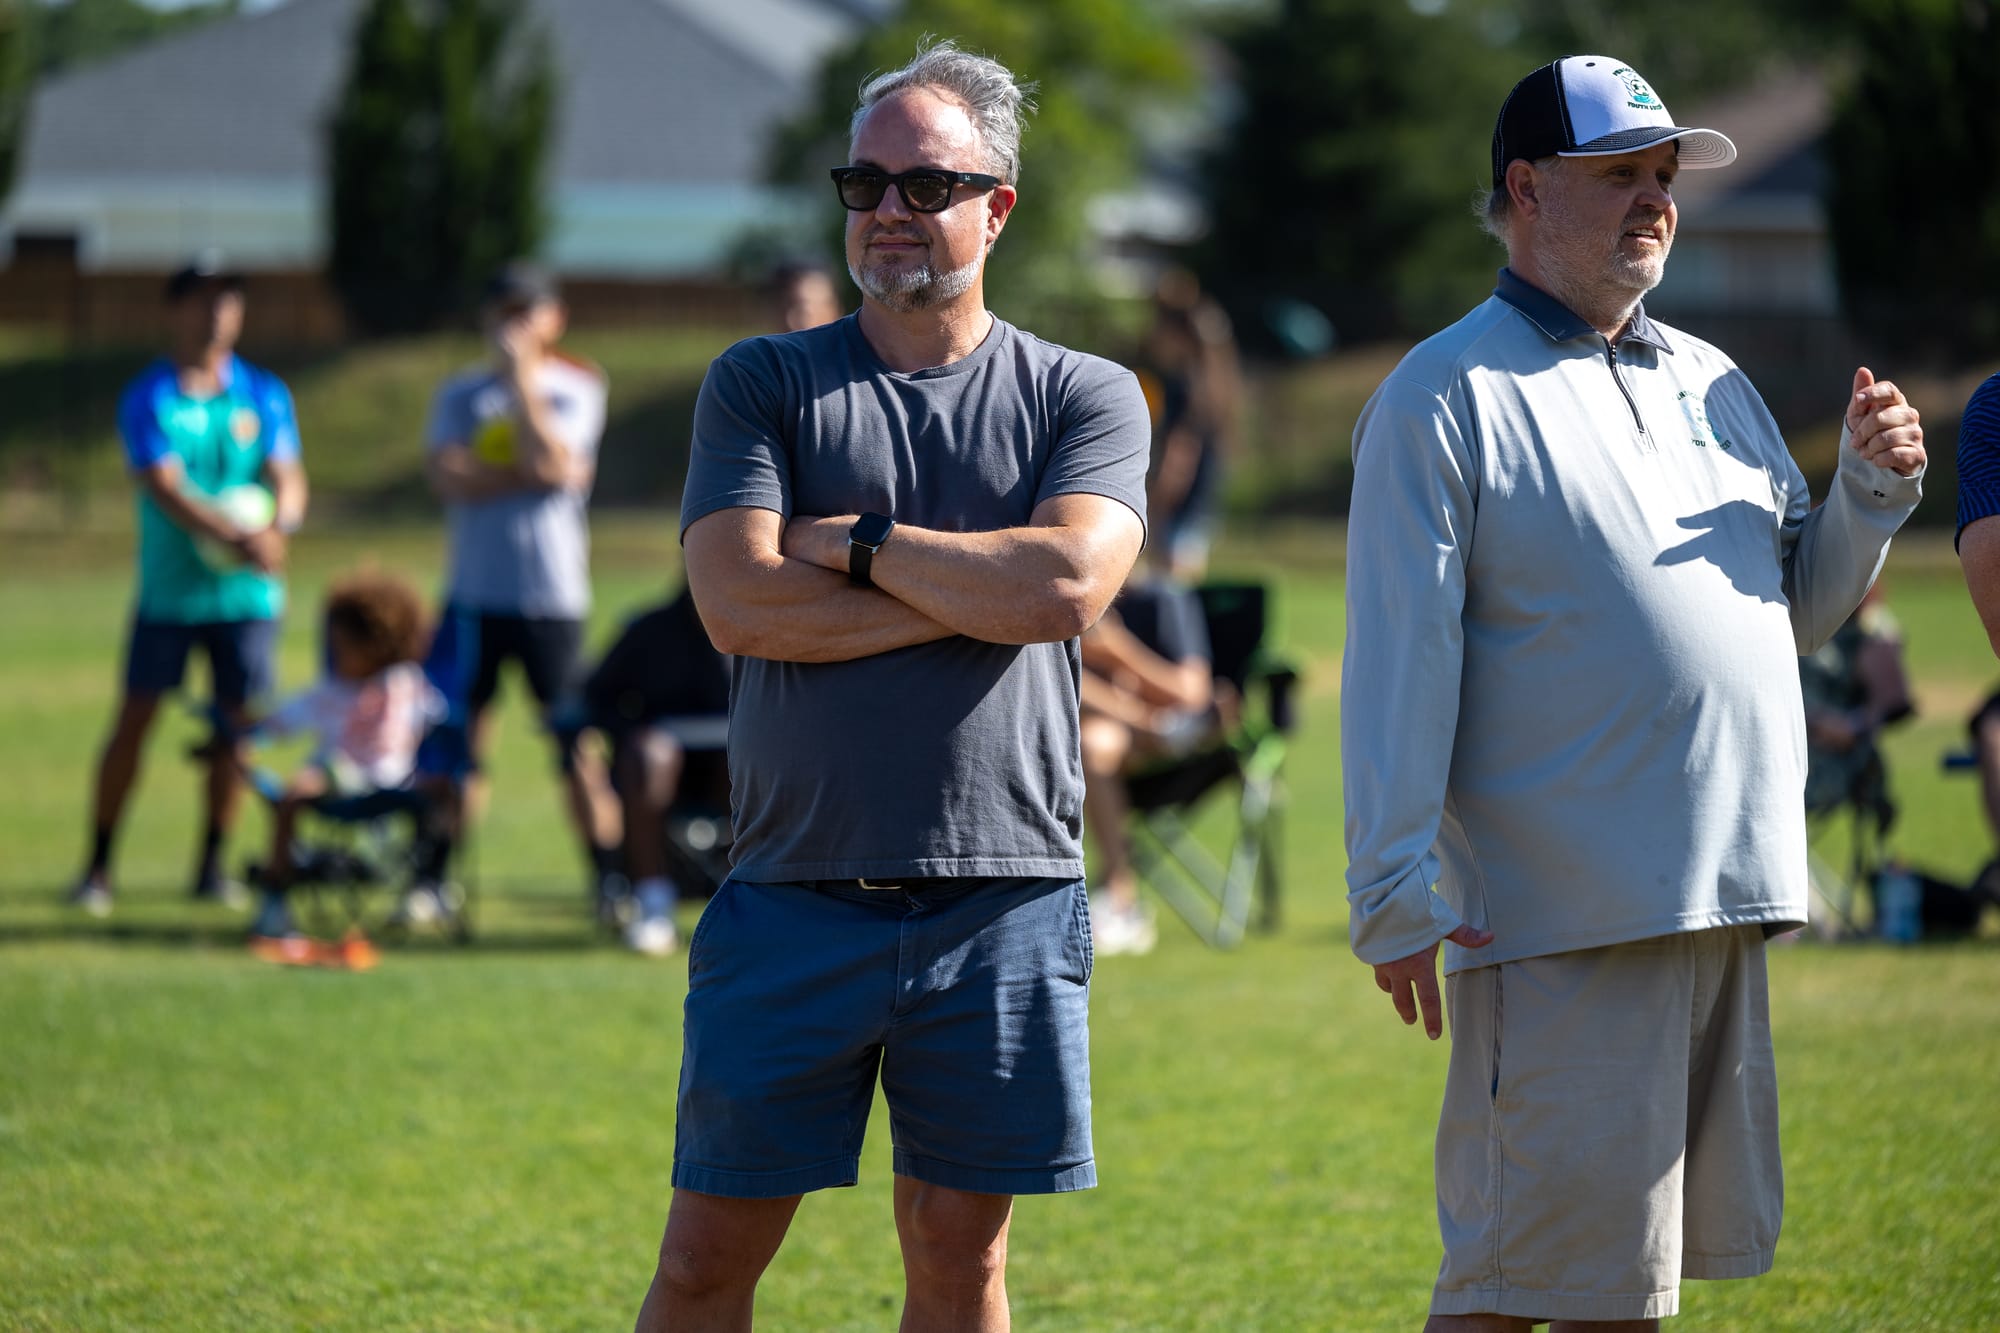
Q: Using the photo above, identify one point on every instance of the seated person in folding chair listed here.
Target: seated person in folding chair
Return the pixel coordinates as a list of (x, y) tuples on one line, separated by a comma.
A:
[(661, 692), (1853, 687), (368, 715), (1147, 693)]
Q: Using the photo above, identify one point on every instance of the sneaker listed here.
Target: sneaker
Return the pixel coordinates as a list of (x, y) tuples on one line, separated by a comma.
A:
[(274, 921), (653, 936), (1115, 929), (422, 905), (91, 894), (215, 887)]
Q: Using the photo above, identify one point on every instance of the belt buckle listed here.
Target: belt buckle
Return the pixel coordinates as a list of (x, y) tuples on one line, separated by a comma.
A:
[(873, 887)]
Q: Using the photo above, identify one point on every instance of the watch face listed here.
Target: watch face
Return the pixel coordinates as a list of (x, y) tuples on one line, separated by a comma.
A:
[(871, 530)]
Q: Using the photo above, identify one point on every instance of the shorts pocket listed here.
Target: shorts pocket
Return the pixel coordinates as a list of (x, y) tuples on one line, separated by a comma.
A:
[(1080, 931), (709, 913)]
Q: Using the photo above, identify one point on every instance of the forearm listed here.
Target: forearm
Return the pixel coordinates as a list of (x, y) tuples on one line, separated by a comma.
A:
[(187, 512), (1037, 584), (459, 478), (290, 492), (1099, 696), (1114, 650), (542, 460), (1840, 546), (757, 602)]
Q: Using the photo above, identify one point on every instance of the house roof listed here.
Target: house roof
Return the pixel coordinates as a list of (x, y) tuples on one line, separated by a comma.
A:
[(654, 92), (1778, 125)]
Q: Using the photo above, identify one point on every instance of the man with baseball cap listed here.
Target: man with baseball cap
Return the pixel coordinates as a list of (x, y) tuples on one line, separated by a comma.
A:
[(1581, 568), (213, 448)]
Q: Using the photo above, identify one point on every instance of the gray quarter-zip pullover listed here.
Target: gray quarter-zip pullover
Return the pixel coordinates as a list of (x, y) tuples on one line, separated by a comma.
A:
[(1579, 578)]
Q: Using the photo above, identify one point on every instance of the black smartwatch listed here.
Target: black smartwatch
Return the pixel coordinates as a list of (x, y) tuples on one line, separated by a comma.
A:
[(864, 539)]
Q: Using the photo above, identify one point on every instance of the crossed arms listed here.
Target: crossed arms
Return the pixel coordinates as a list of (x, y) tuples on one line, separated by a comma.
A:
[(777, 589)]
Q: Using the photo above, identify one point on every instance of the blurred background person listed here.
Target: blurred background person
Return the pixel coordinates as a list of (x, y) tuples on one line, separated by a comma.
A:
[(1197, 382), (512, 453), (367, 715), (661, 675), (803, 296), (213, 445), (1979, 502), (1147, 693)]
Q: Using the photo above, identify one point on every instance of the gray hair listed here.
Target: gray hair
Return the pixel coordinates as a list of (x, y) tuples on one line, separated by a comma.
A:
[(987, 89), (1495, 207)]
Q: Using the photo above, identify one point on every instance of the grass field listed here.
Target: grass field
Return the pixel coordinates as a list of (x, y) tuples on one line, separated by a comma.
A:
[(480, 1139)]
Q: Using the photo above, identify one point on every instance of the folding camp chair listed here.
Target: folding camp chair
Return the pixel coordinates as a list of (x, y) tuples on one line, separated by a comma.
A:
[(355, 858), (1836, 892), (1215, 897)]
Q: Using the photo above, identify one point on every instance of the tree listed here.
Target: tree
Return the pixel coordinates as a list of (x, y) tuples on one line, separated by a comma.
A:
[(1348, 176), (437, 150), (15, 77), (1102, 66), (1913, 199), (75, 32)]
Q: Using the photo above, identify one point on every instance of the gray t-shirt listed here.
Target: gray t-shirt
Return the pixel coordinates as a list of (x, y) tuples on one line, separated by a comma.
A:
[(526, 553), (949, 758)]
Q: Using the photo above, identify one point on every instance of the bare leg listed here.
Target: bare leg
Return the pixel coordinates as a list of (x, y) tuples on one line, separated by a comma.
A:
[(590, 802), (224, 789), (1988, 744), (1107, 744), (712, 1255), (649, 776), (118, 764), (954, 1258), (304, 788)]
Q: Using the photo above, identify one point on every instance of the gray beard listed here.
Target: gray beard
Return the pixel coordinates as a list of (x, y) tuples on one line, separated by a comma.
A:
[(919, 288)]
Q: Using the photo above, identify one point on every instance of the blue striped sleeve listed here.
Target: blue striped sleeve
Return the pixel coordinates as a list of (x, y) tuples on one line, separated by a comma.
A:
[(1979, 455)]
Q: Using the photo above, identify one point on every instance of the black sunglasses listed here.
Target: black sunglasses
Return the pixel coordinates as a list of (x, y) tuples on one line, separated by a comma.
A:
[(924, 190)]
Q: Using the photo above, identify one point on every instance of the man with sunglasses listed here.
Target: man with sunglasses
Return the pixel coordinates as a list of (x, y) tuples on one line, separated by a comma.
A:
[(512, 453), (1581, 568), (899, 523)]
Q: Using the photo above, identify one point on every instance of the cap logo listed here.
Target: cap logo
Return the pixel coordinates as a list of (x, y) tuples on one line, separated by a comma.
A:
[(1638, 90)]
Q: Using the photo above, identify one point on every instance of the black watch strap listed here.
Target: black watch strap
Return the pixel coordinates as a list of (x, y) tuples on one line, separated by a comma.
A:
[(863, 540)]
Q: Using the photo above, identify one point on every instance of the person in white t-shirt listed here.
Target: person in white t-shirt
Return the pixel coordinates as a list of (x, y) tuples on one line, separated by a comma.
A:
[(367, 715)]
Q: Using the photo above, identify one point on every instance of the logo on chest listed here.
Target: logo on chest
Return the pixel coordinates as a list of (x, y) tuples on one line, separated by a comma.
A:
[(1701, 432), (245, 426)]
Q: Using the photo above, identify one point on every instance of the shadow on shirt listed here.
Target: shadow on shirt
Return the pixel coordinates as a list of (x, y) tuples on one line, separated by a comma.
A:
[(1736, 539)]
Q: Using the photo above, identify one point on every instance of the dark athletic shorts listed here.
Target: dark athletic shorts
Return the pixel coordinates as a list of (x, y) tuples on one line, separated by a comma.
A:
[(968, 998), (240, 657), (548, 651)]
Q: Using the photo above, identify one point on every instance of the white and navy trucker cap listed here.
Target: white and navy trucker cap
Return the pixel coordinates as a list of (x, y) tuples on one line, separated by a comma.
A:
[(1593, 106)]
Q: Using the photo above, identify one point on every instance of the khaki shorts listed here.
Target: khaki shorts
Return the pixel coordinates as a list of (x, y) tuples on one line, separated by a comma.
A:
[(1610, 1126)]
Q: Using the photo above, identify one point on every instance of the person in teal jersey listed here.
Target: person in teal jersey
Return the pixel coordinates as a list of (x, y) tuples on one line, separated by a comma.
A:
[(213, 446)]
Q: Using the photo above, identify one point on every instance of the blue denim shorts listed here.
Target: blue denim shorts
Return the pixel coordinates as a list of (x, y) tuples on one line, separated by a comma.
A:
[(968, 997), (241, 657)]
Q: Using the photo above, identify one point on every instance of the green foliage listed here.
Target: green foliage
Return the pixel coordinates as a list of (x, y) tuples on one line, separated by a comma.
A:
[(438, 147), (1347, 178), (1913, 198), (15, 67), (1363, 139), (1687, 50), (1102, 66), (75, 32)]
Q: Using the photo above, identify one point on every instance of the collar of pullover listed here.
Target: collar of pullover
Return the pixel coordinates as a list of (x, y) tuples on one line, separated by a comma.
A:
[(1561, 323)]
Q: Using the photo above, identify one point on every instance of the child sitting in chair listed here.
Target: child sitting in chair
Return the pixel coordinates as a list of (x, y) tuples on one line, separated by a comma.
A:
[(368, 715)]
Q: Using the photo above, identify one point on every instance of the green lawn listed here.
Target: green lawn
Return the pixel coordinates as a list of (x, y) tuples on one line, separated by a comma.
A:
[(481, 1138)]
